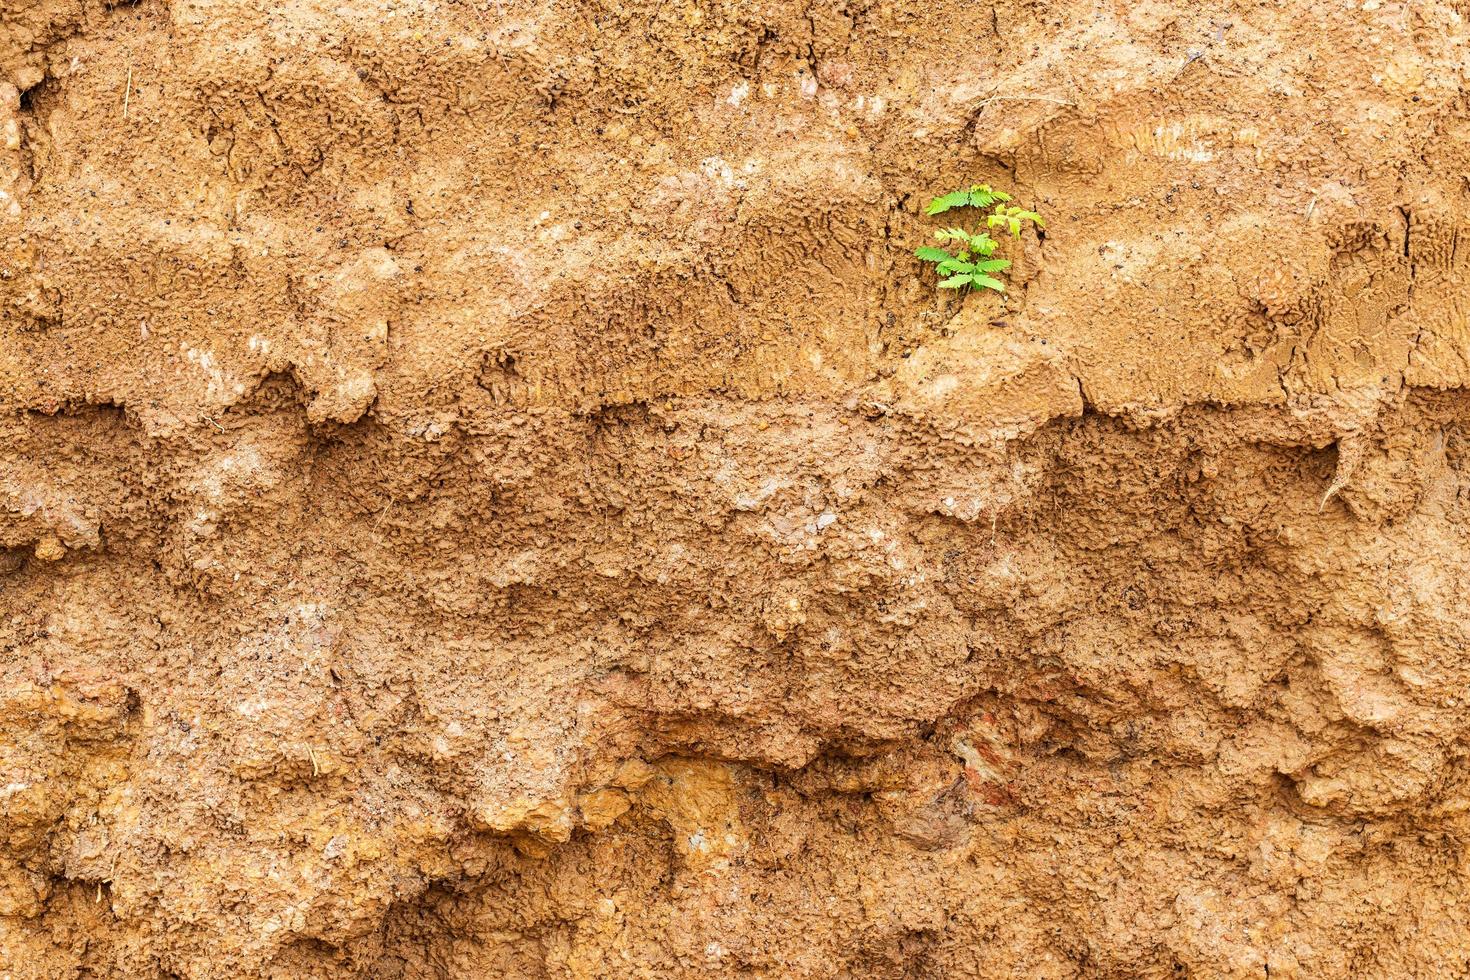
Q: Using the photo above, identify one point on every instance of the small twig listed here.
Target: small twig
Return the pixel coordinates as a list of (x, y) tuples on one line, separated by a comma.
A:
[(1193, 57), (128, 92), (383, 515), (654, 16), (316, 769)]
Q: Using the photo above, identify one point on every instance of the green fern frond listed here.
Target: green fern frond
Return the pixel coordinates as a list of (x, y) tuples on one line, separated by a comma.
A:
[(954, 199), (983, 196)]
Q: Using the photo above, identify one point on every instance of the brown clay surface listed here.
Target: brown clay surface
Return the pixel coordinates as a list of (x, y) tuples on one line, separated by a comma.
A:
[(485, 490)]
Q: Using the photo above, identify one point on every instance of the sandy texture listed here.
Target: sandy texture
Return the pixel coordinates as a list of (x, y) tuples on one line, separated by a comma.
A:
[(486, 491)]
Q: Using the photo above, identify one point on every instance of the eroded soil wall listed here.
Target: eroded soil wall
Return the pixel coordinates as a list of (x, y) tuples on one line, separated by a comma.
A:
[(486, 491)]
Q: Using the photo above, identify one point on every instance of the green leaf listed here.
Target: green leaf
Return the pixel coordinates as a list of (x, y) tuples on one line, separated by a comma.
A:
[(1011, 218), (954, 199), (983, 196), (968, 260)]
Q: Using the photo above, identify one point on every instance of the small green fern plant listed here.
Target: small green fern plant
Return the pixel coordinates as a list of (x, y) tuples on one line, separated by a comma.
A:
[(974, 262)]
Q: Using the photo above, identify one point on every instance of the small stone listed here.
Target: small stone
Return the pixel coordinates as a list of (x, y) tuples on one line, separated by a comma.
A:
[(50, 548), (601, 808)]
